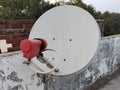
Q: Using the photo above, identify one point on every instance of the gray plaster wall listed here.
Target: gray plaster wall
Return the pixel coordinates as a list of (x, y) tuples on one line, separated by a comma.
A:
[(16, 75), (106, 61)]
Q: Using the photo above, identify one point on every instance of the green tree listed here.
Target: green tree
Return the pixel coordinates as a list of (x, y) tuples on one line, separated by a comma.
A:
[(112, 23), (89, 8), (23, 9)]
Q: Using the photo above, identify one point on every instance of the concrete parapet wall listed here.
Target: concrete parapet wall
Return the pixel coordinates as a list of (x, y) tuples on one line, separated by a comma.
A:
[(15, 75), (105, 63)]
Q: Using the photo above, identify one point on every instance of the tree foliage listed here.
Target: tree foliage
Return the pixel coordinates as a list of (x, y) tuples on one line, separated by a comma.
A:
[(112, 23), (32, 9), (23, 9), (89, 8)]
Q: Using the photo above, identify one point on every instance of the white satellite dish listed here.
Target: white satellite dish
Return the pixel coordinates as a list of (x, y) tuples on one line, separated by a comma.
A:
[(70, 31)]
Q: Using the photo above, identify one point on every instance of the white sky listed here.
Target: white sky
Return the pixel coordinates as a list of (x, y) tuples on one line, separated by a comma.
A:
[(105, 5), (101, 5)]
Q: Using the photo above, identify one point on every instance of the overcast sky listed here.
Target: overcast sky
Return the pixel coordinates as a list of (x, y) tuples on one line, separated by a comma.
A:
[(102, 5), (105, 5)]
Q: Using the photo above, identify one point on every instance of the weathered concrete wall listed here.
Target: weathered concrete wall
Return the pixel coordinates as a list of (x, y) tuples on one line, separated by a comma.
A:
[(103, 64), (15, 75)]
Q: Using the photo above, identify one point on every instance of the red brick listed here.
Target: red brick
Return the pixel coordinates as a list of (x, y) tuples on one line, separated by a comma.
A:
[(29, 25), (3, 26), (24, 38), (14, 24), (3, 32), (9, 37), (28, 21), (2, 21), (17, 26), (10, 49), (13, 49), (21, 31), (15, 44), (12, 41), (14, 32), (20, 35), (9, 32), (2, 37), (27, 31)]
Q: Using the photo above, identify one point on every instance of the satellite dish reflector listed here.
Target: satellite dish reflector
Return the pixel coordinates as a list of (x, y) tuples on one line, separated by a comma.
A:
[(70, 31)]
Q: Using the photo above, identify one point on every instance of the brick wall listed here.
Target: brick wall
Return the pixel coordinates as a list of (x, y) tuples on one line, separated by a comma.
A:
[(14, 31)]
